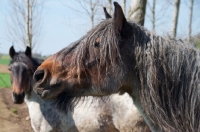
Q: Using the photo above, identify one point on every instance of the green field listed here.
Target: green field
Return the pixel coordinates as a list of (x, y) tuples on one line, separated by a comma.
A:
[(4, 61), (4, 77), (5, 80)]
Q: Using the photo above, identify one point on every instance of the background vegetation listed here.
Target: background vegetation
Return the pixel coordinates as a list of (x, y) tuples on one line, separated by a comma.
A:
[(4, 74)]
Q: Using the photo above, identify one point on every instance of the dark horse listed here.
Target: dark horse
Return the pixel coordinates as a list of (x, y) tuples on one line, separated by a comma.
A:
[(161, 75), (22, 67)]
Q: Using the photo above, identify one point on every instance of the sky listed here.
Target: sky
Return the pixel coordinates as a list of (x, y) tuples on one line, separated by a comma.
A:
[(64, 21)]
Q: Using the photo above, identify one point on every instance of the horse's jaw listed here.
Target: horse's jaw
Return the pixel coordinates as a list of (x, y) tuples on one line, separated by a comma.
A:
[(46, 94)]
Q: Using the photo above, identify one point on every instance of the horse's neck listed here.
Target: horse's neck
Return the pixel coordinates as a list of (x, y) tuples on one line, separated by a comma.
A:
[(33, 101), (43, 116)]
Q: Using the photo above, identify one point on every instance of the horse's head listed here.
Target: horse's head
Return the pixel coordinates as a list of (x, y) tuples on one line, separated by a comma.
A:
[(22, 68), (93, 65)]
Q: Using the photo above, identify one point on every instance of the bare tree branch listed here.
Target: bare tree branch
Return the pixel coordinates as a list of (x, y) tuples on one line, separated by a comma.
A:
[(89, 7)]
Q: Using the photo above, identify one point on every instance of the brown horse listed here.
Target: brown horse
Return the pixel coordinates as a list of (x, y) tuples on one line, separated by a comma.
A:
[(161, 75)]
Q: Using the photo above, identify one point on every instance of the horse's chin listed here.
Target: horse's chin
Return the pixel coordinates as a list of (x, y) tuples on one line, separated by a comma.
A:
[(18, 98), (45, 93), (18, 101)]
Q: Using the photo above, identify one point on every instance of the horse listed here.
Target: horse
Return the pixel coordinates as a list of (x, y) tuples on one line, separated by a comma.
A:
[(22, 67), (89, 115), (160, 74)]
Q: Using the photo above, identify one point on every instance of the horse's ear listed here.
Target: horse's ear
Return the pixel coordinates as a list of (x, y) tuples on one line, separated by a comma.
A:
[(122, 27), (28, 51), (12, 52), (107, 15)]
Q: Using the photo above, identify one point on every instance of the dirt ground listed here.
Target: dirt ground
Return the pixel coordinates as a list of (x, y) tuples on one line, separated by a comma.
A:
[(4, 69), (13, 117)]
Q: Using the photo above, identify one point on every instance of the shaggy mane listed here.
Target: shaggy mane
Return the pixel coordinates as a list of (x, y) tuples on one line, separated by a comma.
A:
[(169, 81)]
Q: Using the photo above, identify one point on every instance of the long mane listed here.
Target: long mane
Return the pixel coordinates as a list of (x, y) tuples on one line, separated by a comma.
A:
[(169, 74)]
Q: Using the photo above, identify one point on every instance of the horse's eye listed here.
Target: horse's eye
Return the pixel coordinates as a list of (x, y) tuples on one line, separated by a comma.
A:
[(97, 45)]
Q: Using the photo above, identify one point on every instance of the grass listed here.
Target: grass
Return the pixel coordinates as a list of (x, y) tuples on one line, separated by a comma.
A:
[(4, 61), (4, 77), (198, 44), (5, 80), (14, 110)]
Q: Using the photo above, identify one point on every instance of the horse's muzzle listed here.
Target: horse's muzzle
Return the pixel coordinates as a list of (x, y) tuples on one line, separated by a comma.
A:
[(18, 98)]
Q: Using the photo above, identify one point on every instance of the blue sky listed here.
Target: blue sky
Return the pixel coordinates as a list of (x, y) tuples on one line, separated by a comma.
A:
[(63, 25)]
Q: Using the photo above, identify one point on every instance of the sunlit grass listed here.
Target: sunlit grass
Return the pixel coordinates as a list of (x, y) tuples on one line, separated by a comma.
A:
[(197, 44), (14, 110), (5, 80)]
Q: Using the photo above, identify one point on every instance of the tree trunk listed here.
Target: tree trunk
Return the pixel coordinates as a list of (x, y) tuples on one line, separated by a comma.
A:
[(124, 6), (153, 15), (30, 23), (137, 11), (175, 18), (109, 6), (92, 13), (190, 20), (27, 23)]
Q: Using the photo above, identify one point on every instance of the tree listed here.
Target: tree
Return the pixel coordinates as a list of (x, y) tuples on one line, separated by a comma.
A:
[(175, 18), (28, 23), (25, 22), (153, 18), (89, 8), (124, 6), (190, 20), (137, 11), (109, 6), (92, 10)]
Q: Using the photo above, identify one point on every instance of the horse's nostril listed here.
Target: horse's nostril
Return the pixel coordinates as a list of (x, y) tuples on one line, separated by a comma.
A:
[(39, 75)]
